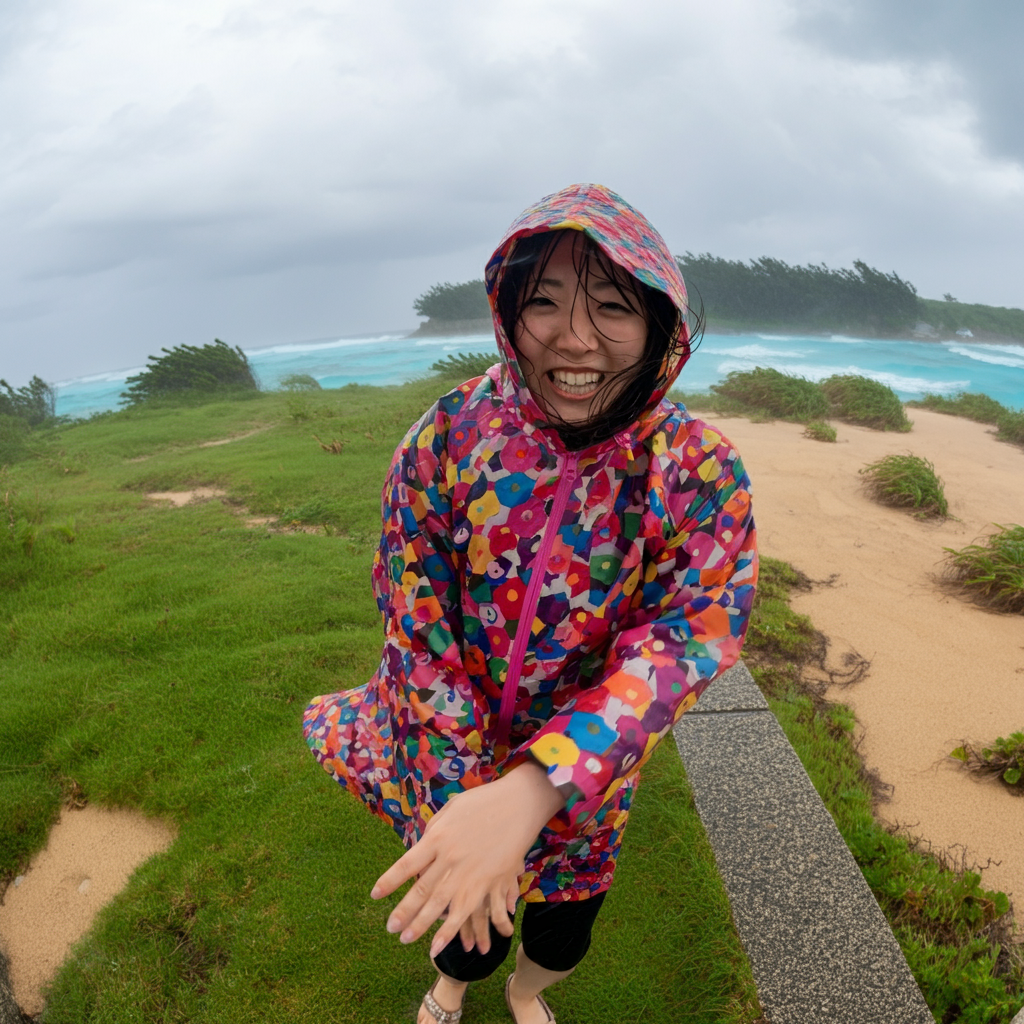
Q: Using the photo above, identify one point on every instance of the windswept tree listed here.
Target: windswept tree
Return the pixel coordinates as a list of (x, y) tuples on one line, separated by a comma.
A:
[(191, 369), (466, 301), (34, 403)]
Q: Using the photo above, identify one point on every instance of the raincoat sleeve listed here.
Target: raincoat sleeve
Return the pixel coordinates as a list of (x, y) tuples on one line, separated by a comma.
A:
[(415, 579), (689, 626)]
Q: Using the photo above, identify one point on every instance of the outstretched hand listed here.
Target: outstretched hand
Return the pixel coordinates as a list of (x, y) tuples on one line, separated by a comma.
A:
[(469, 860)]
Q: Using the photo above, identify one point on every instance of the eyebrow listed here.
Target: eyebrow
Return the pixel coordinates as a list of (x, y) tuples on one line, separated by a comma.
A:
[(593, 283)]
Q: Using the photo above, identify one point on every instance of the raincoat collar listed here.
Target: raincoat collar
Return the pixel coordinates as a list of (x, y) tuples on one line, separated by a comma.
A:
[(630, 241)]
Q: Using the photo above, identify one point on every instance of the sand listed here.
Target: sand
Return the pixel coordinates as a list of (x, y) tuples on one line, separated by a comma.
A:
[(942, 670), (87, 861)]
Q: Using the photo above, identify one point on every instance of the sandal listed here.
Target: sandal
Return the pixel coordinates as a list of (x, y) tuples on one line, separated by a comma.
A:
[(440, 1015), (540, 999)]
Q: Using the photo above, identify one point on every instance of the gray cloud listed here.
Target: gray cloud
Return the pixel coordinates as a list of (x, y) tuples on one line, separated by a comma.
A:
[(175, 172)]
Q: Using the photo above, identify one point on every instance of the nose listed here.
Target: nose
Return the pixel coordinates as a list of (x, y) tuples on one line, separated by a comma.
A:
[(578, 332)]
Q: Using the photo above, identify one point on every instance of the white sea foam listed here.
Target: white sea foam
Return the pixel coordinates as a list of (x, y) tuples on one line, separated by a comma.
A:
[(842, 339), (320, 346), (110, 377), (761, 352), (811, 371), (997, 355)]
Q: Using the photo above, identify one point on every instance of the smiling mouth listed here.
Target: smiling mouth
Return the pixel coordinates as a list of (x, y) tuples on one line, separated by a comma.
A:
[(581, 384)]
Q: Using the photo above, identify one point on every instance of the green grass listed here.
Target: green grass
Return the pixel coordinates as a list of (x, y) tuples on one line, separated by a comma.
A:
[(816, 430), (958, 937), (993, 571), (866, 402), (908, 482), (766, 391), (159, 658)]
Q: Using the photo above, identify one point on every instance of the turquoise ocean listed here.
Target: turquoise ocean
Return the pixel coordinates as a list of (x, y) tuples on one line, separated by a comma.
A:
[(910, 368)]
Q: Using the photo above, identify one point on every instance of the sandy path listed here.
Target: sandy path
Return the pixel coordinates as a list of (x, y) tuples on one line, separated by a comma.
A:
[(942, 670), (87, 861)]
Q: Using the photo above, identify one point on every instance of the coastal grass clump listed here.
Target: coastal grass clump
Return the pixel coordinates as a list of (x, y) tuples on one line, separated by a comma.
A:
[(958, 937), (864, 401), (992, 571), (773, 394), (1004, 759), (464, 365), (909, 482), (1009, 423), (818, 430)]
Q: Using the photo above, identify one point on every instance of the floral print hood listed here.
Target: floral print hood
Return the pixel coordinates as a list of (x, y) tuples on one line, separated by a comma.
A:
[(629, 240)]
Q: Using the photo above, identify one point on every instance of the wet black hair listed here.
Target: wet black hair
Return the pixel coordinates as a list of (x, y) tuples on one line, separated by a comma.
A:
[(522, 272)]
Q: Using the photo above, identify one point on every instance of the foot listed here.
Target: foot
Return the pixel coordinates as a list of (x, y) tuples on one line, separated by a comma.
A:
[(448, 996), (526, 1009)]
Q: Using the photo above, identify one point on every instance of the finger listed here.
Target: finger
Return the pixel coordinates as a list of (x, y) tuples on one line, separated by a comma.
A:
[(512, 896), (499, 915), (424, 904), (481, 922), (467, 936), (457, 916), (412, 863)]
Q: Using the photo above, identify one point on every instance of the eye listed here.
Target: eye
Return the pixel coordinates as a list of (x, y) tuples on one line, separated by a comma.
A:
[(538, 300)]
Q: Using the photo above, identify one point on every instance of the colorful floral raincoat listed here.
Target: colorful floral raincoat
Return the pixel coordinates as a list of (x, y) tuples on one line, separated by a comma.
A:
[(562, 605)]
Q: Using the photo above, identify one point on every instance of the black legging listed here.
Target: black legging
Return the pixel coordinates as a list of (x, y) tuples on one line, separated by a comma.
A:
[(555, 936)]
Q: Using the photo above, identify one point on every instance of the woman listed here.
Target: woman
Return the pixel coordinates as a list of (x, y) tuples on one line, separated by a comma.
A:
[(567, 561)]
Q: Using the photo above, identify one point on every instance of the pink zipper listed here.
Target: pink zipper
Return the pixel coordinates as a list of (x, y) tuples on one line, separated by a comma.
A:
[(530, 602)]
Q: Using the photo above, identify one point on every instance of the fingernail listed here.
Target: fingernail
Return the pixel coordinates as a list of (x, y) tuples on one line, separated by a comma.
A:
[(436, 948), (375, 893), (394, 925), (407, 937)]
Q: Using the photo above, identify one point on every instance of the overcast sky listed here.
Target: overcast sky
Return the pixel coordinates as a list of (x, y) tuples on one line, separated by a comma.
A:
[(266, 171)]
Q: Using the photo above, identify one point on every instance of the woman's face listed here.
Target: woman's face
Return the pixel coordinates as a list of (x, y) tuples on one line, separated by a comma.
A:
[(575, 337)]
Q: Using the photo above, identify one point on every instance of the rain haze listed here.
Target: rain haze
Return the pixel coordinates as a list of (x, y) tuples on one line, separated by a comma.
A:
[(263, 171)]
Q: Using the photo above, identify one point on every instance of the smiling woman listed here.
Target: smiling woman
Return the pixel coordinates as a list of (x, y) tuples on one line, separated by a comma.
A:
[(567, 560)]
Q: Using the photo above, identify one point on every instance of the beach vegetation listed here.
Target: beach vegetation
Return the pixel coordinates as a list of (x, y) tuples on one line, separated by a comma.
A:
[(992, 571), (818, 430), (466, 301), (958, 937), (1009, 423), (464, 365), (767, 291), (14, 433), (908, 482), (867, 402), (1004, 759), (191, 371), (770, 393)]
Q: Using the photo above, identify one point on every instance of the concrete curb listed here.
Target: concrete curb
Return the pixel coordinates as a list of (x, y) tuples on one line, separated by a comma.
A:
[(819, 946)]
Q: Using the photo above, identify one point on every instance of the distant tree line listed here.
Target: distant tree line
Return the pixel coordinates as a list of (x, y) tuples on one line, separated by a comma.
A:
[(767, 291), (761, 292), (466, 301)]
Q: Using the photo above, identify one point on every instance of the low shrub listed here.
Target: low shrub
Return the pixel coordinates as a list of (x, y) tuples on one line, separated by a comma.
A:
[(817, 430), (13, 435), (866, 402), (1011, 428), (907, 481), (1004, 759), (992, 571), (299, 382), (767, 391)]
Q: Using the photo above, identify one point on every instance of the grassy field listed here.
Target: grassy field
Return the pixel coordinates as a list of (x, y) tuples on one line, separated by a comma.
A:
[(159, 658)]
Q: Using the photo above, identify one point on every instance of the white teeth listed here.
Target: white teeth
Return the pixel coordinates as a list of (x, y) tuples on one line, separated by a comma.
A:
[(575, 379)]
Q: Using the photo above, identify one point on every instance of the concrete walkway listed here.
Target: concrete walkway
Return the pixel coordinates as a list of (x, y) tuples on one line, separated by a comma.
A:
[(818, 943)]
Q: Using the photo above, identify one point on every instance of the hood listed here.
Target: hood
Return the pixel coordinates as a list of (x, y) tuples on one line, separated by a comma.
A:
[(626, 237)]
